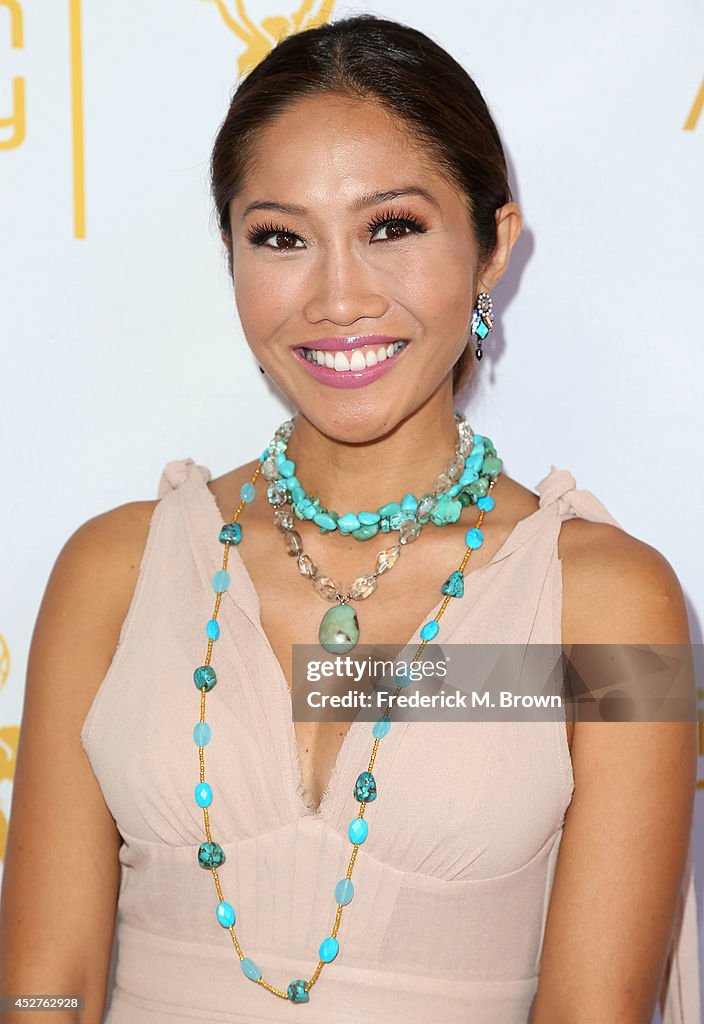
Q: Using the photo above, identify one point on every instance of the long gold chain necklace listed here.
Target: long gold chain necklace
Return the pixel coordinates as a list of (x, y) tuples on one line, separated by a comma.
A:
[(211, 855)]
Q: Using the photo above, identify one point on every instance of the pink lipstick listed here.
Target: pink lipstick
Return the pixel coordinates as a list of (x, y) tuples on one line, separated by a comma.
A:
[(350, 362)]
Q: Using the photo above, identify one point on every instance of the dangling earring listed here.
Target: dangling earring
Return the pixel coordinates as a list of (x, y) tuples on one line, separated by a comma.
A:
[(482, 319)]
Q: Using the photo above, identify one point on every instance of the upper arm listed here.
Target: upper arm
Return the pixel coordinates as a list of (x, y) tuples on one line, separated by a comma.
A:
[(627, 830), (61, 874)]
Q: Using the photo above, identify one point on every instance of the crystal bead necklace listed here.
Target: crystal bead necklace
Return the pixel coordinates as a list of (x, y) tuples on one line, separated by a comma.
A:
[(465, 480), (211, 855)]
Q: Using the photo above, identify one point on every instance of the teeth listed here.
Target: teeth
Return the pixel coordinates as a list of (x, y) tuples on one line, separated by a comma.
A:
[(358, 359)]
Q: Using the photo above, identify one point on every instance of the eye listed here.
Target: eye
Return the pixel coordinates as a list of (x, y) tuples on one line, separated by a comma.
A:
[(394, 222), (258, 234)]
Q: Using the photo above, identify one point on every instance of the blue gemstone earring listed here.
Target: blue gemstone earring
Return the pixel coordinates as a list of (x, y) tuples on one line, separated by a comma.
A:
[(482, 319)]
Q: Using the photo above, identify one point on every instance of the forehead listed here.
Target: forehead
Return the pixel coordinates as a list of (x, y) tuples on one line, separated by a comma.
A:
[(330, 142)]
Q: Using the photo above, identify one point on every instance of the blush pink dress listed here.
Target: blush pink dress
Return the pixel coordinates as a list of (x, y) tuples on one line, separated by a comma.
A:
[(452, 887)]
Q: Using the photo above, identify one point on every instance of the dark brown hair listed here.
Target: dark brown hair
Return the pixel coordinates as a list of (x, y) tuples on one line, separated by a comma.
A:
[(369, 58)]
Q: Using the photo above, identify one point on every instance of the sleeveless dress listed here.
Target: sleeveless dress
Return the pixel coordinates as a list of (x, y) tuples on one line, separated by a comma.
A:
[(452, 886)]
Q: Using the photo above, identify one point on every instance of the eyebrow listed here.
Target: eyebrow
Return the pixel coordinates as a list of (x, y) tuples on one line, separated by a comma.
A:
[(361, 203)]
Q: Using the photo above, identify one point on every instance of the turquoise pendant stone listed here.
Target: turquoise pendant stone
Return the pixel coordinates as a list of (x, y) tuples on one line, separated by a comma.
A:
[(212, 630), (486, 503), (358, 831), (324, 520), (221, 581), (225, 913), (454, 584), (344, 891), (329, 949), (430, 630), (201, 734), (365, 532), (492, 467), (474, 538), (478, 488), (348, 522), (231, 533), (402, 676), (339, 629), (204, 794), (480, 329), (365, 787), (211, 855), (250, 969), (381, 728), (297, 991), (205, 677), (447, 511)]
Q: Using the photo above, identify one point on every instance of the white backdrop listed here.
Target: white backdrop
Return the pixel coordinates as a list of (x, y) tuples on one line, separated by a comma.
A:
[(121, 349)]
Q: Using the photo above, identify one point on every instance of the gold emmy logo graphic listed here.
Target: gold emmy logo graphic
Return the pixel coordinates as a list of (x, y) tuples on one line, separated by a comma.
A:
[(9, 735), (17, 121), (261, 38), (693, 116)]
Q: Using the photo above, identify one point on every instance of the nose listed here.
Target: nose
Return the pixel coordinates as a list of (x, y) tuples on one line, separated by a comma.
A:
[(343, 289)]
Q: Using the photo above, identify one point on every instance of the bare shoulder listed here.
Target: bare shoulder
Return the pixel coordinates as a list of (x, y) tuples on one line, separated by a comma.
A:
[(104, 554), (617, 588)]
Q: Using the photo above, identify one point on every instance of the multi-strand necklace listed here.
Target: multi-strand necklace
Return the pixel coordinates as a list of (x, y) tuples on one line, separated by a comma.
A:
[(463, 481), (211, 856)]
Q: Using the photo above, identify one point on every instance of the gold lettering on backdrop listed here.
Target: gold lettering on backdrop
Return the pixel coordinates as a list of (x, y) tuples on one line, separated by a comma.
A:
[(693, 116), (79, 182), (17, 120), (261, 38)]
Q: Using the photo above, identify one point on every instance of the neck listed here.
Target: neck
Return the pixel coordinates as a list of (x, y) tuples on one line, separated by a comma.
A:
[(362, 476)]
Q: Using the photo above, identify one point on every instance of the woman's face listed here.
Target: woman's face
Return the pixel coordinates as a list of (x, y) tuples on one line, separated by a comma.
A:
[(336, 250)]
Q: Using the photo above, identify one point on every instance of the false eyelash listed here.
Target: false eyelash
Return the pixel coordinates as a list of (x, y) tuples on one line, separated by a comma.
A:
[(258, 233), (396, 217)]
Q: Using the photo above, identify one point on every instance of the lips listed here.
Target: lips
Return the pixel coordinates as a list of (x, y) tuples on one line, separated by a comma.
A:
[(342, 344), (356, 359), (350, 362)]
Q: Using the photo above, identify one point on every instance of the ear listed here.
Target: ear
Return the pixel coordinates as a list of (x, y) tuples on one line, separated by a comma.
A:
[(508, 228)]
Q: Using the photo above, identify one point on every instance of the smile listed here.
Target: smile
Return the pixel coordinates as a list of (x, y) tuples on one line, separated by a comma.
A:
[(351, 369), (358, 359)]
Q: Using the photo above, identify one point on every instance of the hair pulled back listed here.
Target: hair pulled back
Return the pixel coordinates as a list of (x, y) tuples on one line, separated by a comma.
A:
[(370, 58)]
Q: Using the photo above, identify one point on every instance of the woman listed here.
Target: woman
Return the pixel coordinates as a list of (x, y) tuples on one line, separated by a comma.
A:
[(362, 196)]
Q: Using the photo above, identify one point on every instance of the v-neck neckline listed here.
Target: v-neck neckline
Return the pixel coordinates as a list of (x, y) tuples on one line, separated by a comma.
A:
[(448, 619)]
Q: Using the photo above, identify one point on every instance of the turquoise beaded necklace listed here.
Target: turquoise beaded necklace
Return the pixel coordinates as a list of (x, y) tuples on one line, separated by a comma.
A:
[(465, 479), (211, 856)]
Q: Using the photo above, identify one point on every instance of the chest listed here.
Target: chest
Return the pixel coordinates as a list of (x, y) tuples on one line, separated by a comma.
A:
[(291, 611)]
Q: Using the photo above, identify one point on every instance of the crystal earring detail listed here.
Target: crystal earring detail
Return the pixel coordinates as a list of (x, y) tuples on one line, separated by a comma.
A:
[(482, 319)]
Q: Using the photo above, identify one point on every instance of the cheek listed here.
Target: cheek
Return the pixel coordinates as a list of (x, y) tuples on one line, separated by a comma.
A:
[(260, 296)]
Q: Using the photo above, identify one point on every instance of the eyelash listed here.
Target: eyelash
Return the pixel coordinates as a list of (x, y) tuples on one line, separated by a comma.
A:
[(259, 233)]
